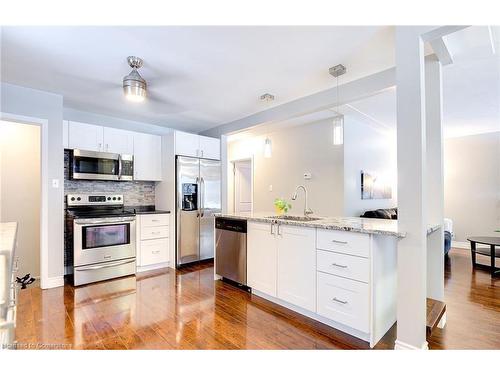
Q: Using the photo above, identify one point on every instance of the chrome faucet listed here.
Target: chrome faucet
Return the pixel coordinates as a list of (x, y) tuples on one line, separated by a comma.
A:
[(307, 210)]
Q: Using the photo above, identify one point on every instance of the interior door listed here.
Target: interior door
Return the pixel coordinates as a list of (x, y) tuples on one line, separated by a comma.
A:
[(188, 210), (210, 203), (243, 186)]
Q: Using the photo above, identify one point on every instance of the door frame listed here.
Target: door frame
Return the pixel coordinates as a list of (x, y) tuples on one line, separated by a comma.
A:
[(44, 183), (231, 180)]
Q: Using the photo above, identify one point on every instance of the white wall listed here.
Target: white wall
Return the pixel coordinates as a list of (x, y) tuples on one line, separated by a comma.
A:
[(472, 184), (20, 177), (44, 105), (369, 149), (295, 150)]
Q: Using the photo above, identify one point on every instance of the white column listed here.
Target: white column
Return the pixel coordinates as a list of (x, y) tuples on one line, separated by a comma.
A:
[(412, 189), (435, 180)]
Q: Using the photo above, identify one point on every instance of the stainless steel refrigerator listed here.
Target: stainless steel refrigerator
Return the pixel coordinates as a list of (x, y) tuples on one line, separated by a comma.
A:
[(198, 184)]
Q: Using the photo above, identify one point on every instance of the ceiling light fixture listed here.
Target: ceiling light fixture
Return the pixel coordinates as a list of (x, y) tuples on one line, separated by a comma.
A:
[(338, 120), (134, 86), (268, 147)]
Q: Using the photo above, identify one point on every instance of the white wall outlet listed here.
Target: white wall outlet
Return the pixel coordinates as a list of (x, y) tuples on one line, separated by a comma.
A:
[(270, 187), (55, 183), (307, 175)]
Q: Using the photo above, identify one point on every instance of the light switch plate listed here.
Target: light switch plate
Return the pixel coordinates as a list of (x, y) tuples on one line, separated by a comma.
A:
[(270, 187), (55, 183)]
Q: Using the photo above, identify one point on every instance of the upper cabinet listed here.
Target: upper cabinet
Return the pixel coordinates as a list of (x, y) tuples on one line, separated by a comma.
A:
[(118, 141), (147, 157), (197, 146), (85, 136)]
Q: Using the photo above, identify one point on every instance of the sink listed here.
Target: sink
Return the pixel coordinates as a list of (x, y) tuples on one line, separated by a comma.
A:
[(294, 218)]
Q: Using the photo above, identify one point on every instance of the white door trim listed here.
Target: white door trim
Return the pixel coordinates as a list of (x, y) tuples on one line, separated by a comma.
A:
[(232, 163), (45, 280)]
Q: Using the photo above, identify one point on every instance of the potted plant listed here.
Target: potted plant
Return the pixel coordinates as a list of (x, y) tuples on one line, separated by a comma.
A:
[(281, 206)]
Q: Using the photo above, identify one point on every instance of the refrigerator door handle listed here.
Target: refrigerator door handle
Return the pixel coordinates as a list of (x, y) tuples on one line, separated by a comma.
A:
[(202, 196)]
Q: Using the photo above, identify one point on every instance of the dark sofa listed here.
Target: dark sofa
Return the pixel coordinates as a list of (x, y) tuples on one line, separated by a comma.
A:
[(392, 213)]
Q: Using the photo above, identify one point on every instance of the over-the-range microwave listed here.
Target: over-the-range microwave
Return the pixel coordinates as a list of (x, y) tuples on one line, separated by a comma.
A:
[(93, 165)]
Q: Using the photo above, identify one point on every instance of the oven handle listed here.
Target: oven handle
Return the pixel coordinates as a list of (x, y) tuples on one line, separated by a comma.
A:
[(111, 264), (107, 221)]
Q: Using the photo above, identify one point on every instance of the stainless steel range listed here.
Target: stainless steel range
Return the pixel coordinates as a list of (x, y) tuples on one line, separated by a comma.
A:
[(103, 237)]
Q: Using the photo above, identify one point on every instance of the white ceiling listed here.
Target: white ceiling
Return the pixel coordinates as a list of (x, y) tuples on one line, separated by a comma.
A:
[(198, 77)]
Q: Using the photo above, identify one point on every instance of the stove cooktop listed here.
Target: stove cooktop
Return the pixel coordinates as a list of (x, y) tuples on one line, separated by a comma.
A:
[(94, 212)]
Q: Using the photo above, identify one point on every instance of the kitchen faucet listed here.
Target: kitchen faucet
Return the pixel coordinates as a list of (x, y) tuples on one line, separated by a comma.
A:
[(307, 210)]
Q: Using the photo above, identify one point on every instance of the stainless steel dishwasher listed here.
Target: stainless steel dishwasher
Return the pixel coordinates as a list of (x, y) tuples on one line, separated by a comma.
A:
[(231, 249)]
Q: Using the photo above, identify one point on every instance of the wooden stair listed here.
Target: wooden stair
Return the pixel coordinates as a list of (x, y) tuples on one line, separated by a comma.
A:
[(435, 311)]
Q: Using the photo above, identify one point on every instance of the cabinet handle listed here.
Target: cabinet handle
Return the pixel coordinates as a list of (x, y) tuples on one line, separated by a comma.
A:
[(201, 153), (272, 228), (99, 146), (335, 299), (155, 220), (340, 242), (339, 265), (155, 232), (107, 147), (156, 252), (279, 231)]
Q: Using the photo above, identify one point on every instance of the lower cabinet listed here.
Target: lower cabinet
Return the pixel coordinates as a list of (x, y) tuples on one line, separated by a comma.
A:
[(152, 241), (262, 257), (281, 262), (297, 266)]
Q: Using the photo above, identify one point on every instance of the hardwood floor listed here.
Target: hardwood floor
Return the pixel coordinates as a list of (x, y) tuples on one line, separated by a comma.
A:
[(186, 309)]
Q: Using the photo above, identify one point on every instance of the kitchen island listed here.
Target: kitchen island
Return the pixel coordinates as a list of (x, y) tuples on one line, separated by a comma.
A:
[(340, 271)]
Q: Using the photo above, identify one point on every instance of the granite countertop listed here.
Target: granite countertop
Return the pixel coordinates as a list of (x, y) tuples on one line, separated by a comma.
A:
[(352, 224), (146, 210)]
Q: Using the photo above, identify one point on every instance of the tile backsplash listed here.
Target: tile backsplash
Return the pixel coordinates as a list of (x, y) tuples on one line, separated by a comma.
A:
[(135, 193)]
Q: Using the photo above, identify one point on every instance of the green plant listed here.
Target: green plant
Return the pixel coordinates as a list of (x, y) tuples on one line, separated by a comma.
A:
[(282, 204)]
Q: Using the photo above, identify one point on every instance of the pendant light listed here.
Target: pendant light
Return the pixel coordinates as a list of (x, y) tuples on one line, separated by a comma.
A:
[(268, 148), (134, 86), (338, 120)]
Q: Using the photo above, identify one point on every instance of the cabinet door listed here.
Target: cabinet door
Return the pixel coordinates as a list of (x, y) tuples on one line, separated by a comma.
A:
[(118, 141), (154, 252), (65, 134), (209, 148), (187, 144), (147, 157), (85, 136), (297, 266), (261, 258)]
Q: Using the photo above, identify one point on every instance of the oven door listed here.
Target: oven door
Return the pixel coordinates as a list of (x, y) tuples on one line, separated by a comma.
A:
[(103, 240), (91, 165)]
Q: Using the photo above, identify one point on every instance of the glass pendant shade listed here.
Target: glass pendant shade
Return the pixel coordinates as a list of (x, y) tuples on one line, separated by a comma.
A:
[(338, 130), (134, 87), (267, 148)]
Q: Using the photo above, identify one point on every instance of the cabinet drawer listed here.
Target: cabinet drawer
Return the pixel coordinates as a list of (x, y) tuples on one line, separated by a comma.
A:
[(343, 242), (154, 220), (344, 301), (349, 266), (154, 252), (150, 233)]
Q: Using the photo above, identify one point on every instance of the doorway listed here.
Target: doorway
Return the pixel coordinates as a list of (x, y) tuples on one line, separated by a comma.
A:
[(20, 187), (243, 186)]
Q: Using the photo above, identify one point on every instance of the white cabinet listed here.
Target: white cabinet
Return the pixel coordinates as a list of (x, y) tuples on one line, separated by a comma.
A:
[(187, 144), (209, 148), (147, 157), (85, 136), (118, 141), (262, 257), (194, 145), (281, 262), (65, 134), (297, 266), (152, 245)]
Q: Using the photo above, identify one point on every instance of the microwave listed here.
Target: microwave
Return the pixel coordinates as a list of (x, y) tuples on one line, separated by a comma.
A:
[(92, 165)]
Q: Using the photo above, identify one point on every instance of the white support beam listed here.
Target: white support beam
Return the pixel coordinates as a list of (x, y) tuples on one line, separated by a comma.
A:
[(351, 91), (412, 189), (441, 50), (435, 179)]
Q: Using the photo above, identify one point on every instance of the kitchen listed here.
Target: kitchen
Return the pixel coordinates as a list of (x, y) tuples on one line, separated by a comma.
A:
[(186, 208)]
